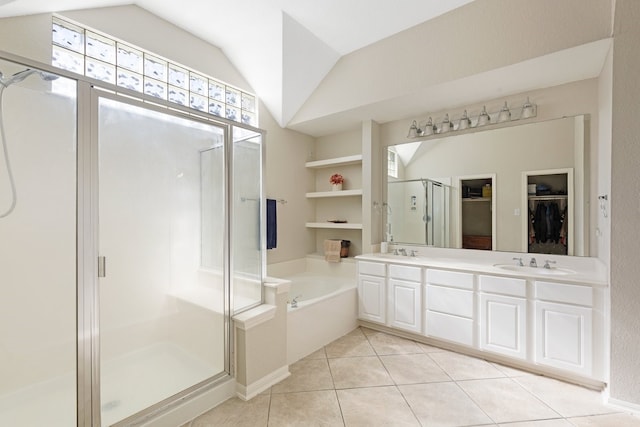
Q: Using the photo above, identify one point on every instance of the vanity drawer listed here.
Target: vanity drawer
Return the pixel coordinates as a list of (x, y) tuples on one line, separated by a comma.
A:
[(449, 301), (403, 272), (503, 285), (372, 268), (450, 278), (560, 292), (451, 328)]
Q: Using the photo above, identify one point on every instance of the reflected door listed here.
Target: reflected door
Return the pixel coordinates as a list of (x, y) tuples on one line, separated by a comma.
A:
[(162, 233)]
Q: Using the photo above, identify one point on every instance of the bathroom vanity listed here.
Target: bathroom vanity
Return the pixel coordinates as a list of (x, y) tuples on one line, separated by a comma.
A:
[(548, 320)]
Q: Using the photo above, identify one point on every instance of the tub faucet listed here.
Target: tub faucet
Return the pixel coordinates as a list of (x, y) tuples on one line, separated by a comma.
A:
[(294, 301), (533, 263)]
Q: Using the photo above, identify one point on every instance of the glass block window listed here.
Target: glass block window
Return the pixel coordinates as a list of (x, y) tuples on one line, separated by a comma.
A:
[(101, 57), (392, 164)]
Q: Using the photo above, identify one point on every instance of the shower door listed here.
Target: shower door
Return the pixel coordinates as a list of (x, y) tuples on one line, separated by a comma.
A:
[(162, 221)]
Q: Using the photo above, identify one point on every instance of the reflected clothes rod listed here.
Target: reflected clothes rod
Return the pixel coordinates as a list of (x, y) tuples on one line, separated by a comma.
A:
[(247, 199)]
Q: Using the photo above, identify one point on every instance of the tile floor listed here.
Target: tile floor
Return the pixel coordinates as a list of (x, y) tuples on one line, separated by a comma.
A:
[(369, 378)]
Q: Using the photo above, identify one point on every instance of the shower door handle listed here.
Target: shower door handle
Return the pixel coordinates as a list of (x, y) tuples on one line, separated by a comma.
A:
[(102, 266)]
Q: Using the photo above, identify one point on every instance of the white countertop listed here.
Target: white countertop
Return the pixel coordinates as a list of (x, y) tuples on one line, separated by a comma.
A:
[(580, 271)]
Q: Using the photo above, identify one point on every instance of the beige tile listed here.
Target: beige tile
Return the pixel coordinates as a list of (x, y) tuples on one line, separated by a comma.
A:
[(311, 408), (306, 375), (608, 420), (413, 369), (509, 371), (443, 405), (461, 367), (359, 372), (367, 331), (318, 354), (505, 401), (235, 413), (567, 399), (429, 348), (357, 332), (267, 392), (377, 406), (559, 422), (388, 344), (349, 346)]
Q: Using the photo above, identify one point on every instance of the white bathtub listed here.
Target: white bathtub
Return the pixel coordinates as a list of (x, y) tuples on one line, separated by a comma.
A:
[(327, 309)]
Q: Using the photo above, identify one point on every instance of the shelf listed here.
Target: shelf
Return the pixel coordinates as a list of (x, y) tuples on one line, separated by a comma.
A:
[(342, 226), (338, 161), (343, 193), (549, 197), (476, 199)]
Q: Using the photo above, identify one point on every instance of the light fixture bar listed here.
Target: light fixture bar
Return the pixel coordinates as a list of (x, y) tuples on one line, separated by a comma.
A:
[(484, 118)]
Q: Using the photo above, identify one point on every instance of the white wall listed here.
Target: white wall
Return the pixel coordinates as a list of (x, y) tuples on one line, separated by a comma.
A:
[(625, 208), (287, 179), (601, 171), (481, 36), (37, 244)]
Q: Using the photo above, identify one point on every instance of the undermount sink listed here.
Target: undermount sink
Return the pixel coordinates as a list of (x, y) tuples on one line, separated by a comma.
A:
[(553, 271)]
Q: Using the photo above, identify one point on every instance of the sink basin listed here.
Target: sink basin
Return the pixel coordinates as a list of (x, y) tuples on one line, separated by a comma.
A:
[(553, 271)]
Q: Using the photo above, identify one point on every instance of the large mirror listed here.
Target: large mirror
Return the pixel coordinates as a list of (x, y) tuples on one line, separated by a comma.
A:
[(517, 189)]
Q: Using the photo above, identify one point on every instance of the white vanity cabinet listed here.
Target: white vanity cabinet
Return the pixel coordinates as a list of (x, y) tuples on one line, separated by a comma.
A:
[(372, 296), (449, 306), (503, 315), (564, 326), (405, 298), (552, 325)]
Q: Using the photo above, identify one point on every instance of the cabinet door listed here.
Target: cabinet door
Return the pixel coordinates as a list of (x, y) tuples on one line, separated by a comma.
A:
[(371, 298), (503, 325), (451, 328), (564, 336), (405, 305)]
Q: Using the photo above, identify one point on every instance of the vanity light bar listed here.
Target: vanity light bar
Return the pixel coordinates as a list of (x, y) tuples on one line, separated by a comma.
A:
[(418, 130)]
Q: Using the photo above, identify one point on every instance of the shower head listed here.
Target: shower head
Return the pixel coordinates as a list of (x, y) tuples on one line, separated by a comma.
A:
[(21, 75)]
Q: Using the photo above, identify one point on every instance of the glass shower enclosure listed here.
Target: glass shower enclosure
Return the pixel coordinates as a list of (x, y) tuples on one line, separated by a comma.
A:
[(136, 234), (418, 212)]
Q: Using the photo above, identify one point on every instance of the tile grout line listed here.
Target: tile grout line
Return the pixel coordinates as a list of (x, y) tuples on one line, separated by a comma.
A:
[(269, 407), (463, 390), (540, 400), (395, 383), (335, 390)]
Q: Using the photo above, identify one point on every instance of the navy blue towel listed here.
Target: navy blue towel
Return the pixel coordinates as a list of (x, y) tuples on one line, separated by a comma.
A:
[(272, 224)]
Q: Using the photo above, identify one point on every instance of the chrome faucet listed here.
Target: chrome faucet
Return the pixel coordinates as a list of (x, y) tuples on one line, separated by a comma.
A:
[(547, 263), (520, 264), (402, 251), (533, 263), (413, 253), (294, 301)]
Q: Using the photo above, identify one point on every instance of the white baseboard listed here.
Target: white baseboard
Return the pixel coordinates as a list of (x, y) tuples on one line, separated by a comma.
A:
[(634, 408), (252, 390)]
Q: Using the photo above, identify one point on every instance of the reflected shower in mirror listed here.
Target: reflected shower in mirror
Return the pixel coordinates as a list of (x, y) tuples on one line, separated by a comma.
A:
[(423, 205), (485, 189)]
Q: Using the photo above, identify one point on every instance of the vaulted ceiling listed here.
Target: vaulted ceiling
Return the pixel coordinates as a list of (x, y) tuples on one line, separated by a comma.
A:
[(284, 48)]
